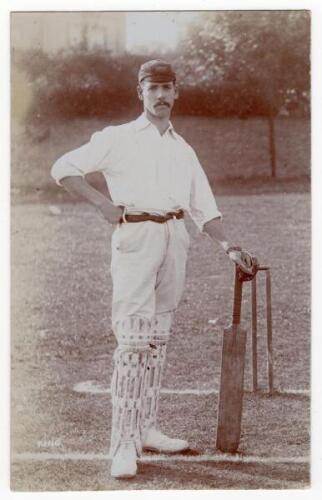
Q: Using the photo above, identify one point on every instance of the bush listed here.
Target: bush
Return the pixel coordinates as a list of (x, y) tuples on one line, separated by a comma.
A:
[(95, 83), (81, 83)]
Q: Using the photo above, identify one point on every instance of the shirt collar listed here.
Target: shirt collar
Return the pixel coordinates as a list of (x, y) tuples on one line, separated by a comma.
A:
[(142, 122)]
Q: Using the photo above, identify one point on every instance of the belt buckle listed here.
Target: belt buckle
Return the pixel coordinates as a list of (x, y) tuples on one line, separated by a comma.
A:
[(176, 214)]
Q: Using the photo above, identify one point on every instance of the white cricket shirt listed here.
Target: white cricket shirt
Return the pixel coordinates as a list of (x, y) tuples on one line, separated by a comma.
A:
[(144, 170)]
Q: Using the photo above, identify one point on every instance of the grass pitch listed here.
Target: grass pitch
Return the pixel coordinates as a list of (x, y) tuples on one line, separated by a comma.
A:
[(61, 337)]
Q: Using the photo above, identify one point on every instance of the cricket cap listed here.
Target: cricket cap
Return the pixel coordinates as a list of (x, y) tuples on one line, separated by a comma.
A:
[(156, 70)]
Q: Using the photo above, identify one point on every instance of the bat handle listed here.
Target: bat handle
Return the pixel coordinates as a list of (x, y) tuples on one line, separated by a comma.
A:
[(237, 299)]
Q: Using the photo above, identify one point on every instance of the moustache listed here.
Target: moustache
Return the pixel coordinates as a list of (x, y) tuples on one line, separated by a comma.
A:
[(161, 103)]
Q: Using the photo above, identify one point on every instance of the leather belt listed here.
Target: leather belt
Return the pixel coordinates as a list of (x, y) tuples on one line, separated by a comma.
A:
[(144, 216)]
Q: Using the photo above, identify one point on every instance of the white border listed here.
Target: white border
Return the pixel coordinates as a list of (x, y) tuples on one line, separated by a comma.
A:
[(20, 5)]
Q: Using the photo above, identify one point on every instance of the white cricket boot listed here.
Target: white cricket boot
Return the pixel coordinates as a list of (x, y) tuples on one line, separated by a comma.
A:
[(124, 461), (155, 440)]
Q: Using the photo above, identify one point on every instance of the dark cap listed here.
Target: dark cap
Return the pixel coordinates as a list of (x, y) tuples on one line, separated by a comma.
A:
[(156, 70)]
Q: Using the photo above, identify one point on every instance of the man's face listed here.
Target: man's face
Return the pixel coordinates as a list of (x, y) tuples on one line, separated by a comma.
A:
[(158, 97)]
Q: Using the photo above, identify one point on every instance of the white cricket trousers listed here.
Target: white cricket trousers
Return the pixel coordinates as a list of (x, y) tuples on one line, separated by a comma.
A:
[(148, 268)]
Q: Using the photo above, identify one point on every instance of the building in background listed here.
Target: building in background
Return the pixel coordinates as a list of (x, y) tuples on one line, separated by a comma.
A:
[(54, 31)]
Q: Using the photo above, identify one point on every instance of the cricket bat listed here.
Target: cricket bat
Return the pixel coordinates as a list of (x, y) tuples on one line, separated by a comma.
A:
[(232, 378)]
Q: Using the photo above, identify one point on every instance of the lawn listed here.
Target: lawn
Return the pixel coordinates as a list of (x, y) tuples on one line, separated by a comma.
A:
[(61, 337)]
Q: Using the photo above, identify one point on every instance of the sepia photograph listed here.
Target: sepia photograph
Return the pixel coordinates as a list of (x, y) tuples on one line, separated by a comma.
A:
[(160, 234)]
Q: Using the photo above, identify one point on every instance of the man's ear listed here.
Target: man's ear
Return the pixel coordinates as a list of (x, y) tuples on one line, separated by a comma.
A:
[(139, 91), (176, 88)]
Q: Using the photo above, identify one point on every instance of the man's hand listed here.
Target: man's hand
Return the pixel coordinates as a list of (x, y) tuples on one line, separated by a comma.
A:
[(243, 259), (110, 212), (77, 185)]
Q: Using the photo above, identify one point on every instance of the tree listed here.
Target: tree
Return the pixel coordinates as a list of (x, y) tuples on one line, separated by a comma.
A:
[(264, 53)]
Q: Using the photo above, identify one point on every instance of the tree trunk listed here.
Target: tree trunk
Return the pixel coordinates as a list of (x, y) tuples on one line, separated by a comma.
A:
[(272, 150)]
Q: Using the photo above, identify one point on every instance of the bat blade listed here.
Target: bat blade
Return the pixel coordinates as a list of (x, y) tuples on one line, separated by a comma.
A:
[(231, 389)]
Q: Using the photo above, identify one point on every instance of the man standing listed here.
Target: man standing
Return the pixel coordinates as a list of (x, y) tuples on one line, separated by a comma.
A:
[(153, 176)]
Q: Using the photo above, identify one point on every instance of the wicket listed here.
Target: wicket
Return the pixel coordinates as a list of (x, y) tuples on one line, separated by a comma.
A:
[(266, 269)]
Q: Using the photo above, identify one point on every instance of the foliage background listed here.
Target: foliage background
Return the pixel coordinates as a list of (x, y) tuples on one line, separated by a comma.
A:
[(229, 63), (244, 82)]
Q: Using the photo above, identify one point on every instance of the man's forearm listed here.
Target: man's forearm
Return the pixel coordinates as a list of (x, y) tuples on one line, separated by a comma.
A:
[(77, 185), (240, 257), (214, 228)]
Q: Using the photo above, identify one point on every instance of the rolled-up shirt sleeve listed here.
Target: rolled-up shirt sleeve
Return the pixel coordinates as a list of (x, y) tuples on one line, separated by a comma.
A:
[(203, 206), (91, 157)]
